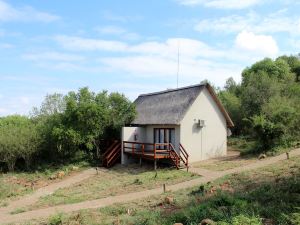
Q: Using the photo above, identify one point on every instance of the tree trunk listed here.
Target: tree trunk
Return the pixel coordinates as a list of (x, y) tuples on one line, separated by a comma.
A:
[(27, 160), (96, 143), (11, 165)]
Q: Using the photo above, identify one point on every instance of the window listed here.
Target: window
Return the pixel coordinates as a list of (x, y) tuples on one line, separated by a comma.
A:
[(164, 135)]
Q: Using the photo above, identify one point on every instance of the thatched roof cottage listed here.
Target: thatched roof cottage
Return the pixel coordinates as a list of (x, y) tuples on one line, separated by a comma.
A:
[(180, 125)]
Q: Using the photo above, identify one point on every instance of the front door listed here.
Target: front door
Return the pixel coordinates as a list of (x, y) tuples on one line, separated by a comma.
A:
[(164, 135)]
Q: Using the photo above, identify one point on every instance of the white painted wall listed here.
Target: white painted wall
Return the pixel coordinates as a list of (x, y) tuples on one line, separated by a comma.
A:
[(209, 141), (128, 134)]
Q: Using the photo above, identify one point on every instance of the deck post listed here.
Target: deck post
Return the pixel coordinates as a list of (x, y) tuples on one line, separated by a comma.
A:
[(140, 161), (155, 164)]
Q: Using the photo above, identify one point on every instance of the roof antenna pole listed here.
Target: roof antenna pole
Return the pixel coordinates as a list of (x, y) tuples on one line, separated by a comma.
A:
[(178, 45)]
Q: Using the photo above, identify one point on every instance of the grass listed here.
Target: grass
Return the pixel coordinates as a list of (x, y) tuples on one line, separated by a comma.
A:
[(226, 163), (14, 185), (245, 146), (116, 181), (270, 195), (249, 146), (239, 145), (18, 210)]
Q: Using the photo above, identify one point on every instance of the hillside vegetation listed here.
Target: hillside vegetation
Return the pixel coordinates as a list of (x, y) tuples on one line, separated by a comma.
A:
[(265, 106), (63, 129)]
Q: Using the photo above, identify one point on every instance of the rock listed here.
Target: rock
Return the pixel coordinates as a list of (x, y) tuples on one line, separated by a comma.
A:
[(262, 156), (169, 200), (52, 177), (177, 224), (75, 168), (129, 211), (60, 174), (207, 222), (213, 190)]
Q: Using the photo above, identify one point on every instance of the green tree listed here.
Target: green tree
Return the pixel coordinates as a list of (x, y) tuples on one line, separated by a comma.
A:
[(18, 139), (48, 117), (90, 117), (266, 105)]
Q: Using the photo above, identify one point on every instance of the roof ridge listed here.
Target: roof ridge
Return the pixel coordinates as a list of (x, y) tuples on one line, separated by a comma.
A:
[(172, 90)]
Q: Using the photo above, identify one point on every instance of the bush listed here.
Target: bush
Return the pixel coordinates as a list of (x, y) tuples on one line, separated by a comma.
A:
[(56, 219), (18, 139), (266, 105)]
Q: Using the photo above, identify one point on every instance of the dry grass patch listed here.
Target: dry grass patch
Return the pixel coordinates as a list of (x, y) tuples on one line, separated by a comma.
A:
[(115, 181), (14, 185), (254, 197), (225, 163)]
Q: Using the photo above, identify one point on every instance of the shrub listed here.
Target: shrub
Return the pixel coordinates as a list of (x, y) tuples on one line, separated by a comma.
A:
[(56, 219), (18, 139)]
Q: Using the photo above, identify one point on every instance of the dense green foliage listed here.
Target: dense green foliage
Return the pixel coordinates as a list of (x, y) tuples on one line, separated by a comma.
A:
[(18, 139), (64, 126), (266, 105)]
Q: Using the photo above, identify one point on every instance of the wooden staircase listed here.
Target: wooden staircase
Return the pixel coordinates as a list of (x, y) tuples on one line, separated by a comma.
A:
[(181, 159), (112, 154)]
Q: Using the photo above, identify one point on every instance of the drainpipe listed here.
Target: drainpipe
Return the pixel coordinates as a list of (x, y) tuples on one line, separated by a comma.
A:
[(201, 142)]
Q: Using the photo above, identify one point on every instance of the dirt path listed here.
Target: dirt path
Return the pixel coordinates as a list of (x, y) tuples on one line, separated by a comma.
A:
[(32, 198), (5, 217)]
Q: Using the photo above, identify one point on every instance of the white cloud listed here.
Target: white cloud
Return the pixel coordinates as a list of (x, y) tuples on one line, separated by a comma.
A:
[(118, 31), (271, 23), (198, 60), (169, 48), (85, 44), (19, 104), (27, 13), (295, 44), (2, 111), (52, 56), (188, 48), (228, 24), (190, 72), (110, 16), (24, 100), (115, 30), (257, 44), (221, 4), (6, 45)]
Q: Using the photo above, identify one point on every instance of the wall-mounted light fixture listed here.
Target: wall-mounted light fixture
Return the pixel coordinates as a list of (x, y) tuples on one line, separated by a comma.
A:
[(200, 123)]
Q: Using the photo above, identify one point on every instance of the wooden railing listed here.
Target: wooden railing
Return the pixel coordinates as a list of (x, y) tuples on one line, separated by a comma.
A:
[(184, 155), (174, 156), (112, 154), (110, 148), (137, 147), (141, 148)]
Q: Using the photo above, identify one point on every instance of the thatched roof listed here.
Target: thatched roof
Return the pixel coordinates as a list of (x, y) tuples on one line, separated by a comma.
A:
[(169, 107)]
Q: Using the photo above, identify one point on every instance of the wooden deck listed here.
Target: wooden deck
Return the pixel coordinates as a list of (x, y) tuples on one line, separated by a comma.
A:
[(148, 150), (149, 155), (155, 151)]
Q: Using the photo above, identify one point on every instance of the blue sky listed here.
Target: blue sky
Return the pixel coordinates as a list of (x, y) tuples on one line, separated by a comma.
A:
[(131, 46)]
